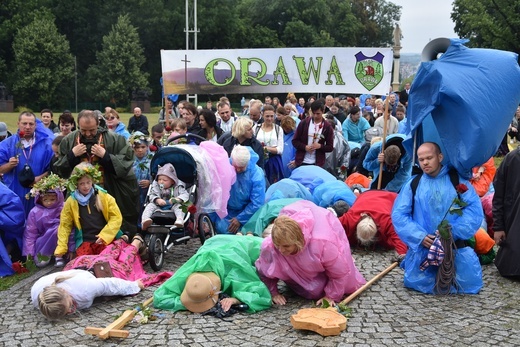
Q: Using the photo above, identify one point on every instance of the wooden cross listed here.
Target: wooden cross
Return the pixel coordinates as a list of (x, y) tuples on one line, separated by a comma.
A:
[(186, 61), (114, 329)]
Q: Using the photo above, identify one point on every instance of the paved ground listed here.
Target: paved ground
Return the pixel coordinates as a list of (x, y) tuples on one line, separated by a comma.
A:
[(385, 315)]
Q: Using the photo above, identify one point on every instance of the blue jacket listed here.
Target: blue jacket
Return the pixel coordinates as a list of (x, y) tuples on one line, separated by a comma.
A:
[(247, 194), (121, 130), (289, 152), (39, 160), (12, 222), (355, 132), (433, 198)]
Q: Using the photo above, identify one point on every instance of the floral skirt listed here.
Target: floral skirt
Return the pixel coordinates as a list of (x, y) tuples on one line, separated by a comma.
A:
[(274, 168), (124, 261)]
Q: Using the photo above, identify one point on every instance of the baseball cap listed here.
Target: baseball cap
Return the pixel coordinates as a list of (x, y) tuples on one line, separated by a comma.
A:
[(3, 129)]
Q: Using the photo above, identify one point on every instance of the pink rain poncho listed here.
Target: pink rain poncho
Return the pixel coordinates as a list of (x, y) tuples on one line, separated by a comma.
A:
[(324, 267)]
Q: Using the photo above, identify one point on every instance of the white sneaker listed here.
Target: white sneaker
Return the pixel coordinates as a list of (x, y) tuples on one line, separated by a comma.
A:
[(60, 262), (42, 263)]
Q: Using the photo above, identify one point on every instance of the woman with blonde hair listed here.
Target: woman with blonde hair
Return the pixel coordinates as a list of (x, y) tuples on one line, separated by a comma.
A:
[(242, 134), (62, 293), (313, 258), (114, 123)]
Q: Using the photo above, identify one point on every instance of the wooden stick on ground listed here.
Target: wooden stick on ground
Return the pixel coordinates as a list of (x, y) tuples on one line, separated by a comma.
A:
[(368, 284), (113, 330)]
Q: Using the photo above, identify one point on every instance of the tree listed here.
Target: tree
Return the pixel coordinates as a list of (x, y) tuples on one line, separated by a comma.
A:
[(488, 23), (117, 71), (43, 65)]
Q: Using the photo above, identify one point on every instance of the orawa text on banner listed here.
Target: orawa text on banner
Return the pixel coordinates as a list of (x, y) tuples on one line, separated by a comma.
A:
[(278, 70)]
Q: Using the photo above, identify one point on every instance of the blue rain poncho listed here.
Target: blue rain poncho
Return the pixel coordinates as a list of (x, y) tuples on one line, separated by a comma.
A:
[(433, 198), (289, 152), (287, 188), (464, 101), (355, 132), (38, 158), (12, 221), (405, 167), (311, 176), (246, 197), (328, 193)]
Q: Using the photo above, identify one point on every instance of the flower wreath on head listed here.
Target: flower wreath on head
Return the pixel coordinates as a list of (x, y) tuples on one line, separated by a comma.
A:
[(138, 138), (77, 173), (50, 183)]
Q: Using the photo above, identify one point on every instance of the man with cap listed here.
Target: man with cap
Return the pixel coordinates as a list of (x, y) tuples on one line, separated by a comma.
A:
[(3, 131), (222, 274), (368, 222), (247, 193), (397, 165)]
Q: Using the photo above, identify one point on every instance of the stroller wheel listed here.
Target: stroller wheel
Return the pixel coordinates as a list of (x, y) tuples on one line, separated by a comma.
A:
[(206, 229), (156, 252)]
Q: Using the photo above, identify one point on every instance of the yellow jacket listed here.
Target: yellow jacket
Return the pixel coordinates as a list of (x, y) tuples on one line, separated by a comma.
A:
[(69, 219)]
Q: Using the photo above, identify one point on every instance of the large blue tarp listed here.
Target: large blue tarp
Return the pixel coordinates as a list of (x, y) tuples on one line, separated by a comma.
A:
[(464, 101)]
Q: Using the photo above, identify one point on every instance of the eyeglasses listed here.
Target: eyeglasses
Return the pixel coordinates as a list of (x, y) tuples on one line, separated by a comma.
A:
[(112, 117)]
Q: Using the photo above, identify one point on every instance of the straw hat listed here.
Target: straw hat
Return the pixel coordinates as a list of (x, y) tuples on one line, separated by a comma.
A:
[(201, 291)]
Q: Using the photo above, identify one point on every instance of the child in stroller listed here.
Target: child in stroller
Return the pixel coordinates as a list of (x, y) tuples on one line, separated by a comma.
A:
[(167, 192)]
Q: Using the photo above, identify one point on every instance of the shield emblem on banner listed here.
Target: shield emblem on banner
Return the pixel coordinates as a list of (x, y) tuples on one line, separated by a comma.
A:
[(369, 70)]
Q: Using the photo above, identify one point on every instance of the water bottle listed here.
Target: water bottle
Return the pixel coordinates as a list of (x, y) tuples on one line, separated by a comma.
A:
[(243, 102)]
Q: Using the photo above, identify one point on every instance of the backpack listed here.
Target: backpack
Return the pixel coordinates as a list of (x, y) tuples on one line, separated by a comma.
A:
[(373, 132), (454, 178)]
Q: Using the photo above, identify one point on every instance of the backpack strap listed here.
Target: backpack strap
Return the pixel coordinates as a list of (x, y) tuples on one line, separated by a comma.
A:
[(454, 178), (414, 184), (276, 128)]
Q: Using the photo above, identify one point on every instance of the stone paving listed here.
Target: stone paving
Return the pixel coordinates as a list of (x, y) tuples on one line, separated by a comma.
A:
[(386, 314)]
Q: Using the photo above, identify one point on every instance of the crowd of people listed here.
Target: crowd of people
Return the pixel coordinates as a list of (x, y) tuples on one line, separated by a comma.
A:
[(313, 179)]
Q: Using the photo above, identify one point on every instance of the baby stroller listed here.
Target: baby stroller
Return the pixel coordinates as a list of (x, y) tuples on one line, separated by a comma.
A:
[(162, 235)]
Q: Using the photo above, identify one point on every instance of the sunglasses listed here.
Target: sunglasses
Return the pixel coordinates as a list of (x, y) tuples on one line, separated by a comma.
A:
[(112, 117)]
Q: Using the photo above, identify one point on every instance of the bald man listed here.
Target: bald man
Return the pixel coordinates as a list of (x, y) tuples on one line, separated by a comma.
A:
[(138, 122), (416, 218)]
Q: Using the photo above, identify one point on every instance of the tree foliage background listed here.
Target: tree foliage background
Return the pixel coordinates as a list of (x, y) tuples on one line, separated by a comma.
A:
[(488, 23), (90, 29)]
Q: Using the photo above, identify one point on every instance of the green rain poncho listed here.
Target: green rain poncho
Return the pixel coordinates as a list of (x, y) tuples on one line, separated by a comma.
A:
[(265, 215), (232, 258)]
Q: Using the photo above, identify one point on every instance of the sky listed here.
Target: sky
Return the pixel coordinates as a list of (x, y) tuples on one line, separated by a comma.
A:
[(422, 21)]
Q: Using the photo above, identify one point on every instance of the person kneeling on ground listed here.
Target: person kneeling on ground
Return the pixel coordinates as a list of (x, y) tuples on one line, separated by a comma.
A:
[(91, 212), (369, 221), (222, 271), (247, 193), (309, 251)]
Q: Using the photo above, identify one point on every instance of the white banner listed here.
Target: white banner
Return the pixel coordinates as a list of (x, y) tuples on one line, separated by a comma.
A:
[(278, 70)]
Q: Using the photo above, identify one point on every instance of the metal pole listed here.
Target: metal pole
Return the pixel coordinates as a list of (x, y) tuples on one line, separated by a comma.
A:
[(195, 27), (187, 26), (76, 82)]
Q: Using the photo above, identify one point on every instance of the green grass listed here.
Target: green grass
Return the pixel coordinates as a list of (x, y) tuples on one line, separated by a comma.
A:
[(9, 281)]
